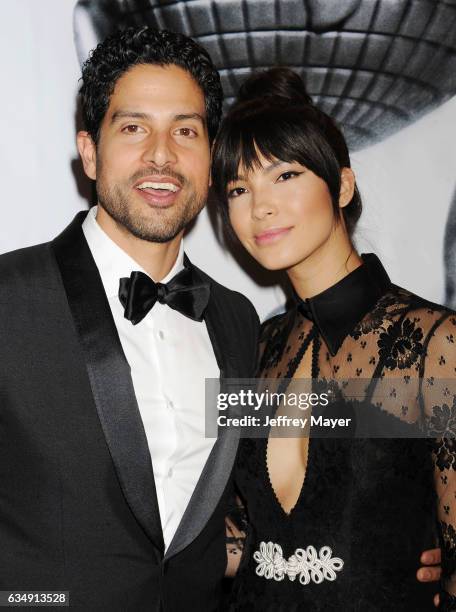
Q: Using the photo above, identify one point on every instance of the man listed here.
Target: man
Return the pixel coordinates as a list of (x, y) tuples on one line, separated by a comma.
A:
[(104, 369)]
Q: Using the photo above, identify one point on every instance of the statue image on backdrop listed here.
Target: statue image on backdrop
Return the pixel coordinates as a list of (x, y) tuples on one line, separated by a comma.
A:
[(375, 66)]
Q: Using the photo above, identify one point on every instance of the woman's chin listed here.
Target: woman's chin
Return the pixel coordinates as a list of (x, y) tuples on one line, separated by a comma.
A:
[(274, 265)]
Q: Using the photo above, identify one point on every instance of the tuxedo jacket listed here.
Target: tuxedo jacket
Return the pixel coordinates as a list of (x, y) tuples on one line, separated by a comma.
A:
[(78, 506)]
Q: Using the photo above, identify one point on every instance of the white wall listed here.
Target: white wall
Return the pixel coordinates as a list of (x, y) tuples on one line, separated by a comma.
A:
[(39, 72)]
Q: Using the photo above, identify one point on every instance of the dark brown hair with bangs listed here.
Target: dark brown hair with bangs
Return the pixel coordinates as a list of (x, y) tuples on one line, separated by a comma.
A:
[(274, 117)]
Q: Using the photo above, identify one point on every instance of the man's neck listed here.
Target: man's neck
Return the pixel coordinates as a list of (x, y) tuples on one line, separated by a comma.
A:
[(156, 258)]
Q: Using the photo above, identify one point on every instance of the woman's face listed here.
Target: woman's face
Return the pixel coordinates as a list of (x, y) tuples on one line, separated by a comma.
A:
[(281, 212)]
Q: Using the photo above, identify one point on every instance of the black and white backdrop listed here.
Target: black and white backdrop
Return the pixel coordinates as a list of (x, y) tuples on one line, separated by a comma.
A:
[(385, 69)]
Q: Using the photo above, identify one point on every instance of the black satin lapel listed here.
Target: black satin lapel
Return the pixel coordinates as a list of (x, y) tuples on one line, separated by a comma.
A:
[(207, 493), (109, 375), (217, 469)]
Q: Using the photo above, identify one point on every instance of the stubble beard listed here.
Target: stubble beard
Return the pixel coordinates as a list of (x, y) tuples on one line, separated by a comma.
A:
[(163, 224)]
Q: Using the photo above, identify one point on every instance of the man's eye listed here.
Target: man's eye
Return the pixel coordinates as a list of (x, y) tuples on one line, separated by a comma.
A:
[(236, 192), (285, 176), (131, 129), (186, 131)]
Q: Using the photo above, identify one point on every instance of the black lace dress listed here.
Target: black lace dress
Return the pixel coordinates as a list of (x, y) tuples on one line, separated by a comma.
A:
[(368, 505)]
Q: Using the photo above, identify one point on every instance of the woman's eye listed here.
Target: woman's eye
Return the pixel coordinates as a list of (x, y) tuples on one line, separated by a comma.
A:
[(288, 175), (236, 192)]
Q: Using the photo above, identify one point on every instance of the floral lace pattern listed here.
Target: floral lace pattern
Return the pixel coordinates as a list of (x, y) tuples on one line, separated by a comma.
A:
[(400, 345)]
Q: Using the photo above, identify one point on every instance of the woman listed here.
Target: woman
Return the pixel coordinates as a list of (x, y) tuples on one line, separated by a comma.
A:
[(337, 523)]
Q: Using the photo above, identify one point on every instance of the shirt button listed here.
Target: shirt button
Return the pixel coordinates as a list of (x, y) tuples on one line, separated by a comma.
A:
[(170, 473), (171, 404), (161, 335)]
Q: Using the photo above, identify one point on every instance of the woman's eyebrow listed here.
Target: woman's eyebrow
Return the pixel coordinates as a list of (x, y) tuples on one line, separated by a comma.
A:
[(264, 170), (272, 166)]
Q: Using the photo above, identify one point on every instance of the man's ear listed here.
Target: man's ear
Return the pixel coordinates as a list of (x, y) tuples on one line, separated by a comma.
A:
[(347, 187), (88, 152)]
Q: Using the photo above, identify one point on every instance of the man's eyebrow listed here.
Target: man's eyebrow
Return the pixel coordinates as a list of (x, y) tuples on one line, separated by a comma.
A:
[(186, 116), (130, 114)]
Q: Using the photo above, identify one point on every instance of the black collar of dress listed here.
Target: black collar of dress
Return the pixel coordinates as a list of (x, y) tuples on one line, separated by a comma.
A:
[(337, 310)]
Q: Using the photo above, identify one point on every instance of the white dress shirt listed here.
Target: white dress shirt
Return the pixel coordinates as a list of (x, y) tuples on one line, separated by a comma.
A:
[(170, 356)]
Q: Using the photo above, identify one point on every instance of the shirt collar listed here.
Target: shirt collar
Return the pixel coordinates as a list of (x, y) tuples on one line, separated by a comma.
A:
[(337, 310), (112, 262)]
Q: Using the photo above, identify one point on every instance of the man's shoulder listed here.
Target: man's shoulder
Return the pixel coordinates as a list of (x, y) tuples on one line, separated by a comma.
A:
[(24, 254), (27, 265), (229, 297)]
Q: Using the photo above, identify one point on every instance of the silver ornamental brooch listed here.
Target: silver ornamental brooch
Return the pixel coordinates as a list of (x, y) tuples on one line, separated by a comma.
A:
[(306, 563)]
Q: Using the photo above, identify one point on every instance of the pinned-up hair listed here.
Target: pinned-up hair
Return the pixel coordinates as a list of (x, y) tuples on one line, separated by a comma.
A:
[(275, 118)]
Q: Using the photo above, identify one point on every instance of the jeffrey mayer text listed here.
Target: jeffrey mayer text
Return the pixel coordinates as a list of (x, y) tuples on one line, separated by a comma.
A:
[(280, 421)]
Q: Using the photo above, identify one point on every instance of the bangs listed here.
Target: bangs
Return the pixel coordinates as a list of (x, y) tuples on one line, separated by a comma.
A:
[(246, 142), (281, 133)]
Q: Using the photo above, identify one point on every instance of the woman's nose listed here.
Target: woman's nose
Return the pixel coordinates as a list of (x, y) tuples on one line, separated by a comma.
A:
[(263, 206)]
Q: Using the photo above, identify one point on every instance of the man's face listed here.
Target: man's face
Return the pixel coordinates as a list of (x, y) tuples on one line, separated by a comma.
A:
[(151, 163)]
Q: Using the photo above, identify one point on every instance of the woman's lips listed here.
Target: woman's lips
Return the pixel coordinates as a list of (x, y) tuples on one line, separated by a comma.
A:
[(271, 235)]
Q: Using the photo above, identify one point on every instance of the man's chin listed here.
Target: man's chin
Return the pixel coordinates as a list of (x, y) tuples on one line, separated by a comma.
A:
[(151, 233), (152, 223)]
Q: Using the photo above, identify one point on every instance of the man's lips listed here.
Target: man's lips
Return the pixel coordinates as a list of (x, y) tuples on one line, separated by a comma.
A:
[(158, 190), (269, 236)]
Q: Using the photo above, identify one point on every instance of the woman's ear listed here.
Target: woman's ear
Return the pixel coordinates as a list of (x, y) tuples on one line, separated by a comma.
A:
[(347, 187), (88, 152)]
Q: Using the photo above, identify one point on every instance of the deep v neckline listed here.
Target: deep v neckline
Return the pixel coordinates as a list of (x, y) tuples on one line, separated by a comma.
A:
[(270, 487), (310, 340)]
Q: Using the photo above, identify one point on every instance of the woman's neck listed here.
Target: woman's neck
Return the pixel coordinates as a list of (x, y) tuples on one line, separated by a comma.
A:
[(326, 266)]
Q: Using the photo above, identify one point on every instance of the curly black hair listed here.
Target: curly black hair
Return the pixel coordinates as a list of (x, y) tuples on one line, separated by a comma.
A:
[(131, 46)]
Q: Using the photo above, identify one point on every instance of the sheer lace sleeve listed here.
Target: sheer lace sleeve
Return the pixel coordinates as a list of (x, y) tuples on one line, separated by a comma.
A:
[(439, 395), (236, 531)]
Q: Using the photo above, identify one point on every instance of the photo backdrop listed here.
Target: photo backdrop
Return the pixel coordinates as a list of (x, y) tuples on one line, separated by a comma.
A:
[(386, 70)]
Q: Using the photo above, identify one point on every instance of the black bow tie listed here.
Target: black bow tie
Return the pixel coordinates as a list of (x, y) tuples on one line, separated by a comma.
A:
[(183, 293)]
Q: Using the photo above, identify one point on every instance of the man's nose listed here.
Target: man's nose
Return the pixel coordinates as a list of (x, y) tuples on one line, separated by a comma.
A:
[(160, 150)]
